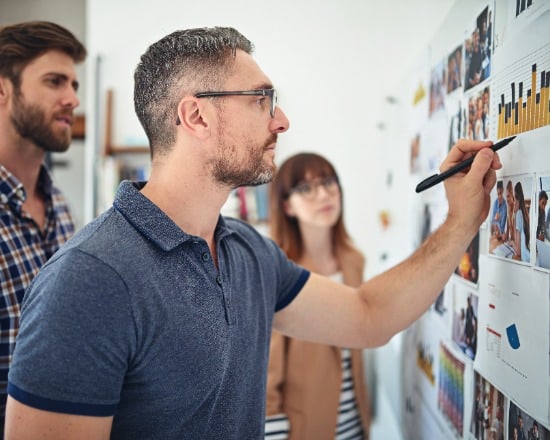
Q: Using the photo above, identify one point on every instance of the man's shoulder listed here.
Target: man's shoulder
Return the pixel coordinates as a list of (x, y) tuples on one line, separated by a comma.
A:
[(106, 248), (100, 235), (242, 227), (250, 239)]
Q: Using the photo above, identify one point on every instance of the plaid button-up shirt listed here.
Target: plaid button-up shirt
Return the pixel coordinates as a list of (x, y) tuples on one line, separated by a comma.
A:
[(24, 248)]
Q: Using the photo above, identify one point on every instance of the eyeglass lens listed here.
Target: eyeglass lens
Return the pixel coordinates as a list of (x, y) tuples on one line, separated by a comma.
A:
[(310, 189)]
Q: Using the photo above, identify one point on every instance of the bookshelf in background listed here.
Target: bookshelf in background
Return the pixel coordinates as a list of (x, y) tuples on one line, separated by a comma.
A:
[(118, 162), (110, 149), (251, 204)]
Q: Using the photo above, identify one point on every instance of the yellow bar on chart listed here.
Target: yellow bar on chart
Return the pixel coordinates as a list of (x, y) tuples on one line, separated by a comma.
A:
[(529, 110)]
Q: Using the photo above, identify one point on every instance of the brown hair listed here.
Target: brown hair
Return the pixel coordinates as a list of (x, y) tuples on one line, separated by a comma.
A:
[(23, 42), (518, 193), (284, 229)]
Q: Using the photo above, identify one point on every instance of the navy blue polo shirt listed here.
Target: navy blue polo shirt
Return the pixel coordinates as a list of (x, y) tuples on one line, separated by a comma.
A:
[(131, 318)]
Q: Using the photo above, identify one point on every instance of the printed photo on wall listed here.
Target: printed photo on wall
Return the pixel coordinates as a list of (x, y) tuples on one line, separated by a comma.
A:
[(510, 220), (522, 425), (468, 267), (542, 216), (478, 51), (450, 396), (478, 115), (464, 325), (418, 385), (454, 70), (456, 107), (488, 409), (443, 306), (438, 87), (439, 304)]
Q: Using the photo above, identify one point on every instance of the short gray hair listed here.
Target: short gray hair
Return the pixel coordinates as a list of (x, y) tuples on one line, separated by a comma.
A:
[(181, 62)]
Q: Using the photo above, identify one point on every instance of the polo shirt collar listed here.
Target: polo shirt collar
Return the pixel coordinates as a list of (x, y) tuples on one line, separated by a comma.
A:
[(152, 222)]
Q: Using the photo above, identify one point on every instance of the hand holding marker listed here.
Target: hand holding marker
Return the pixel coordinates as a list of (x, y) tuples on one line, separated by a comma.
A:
[(437, 178)]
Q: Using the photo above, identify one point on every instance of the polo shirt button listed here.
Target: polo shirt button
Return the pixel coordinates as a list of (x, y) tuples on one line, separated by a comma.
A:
[(205, 256), (4, 198), (219, 280)]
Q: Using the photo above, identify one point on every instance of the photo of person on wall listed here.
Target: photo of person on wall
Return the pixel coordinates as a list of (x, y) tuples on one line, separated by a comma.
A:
[(478, 51), (515, 241), (468, 268), (542, 220)]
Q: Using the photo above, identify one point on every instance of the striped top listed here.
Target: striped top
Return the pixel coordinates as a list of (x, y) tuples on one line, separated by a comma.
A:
[(348, 426), (277, 427)]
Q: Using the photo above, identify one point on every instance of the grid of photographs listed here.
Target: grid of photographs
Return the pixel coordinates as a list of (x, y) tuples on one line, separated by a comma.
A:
[(492, 318)]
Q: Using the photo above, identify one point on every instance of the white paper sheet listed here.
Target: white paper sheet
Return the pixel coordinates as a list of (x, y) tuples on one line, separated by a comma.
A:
[(513, 335)]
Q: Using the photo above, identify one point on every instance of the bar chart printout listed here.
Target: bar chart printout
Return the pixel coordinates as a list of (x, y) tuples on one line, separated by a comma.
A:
[(528, 105)]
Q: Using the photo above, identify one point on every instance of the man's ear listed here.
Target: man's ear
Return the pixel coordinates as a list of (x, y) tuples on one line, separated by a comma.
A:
[(192, 117), (5, 89)]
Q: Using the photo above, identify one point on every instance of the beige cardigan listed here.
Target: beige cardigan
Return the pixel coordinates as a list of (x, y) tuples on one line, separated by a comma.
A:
[(304, 381)]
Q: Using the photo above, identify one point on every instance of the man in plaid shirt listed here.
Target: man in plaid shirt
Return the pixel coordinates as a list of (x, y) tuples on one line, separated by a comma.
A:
[(37, 97)]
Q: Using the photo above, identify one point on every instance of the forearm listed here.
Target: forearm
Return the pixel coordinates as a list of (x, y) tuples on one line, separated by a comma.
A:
[(397, 297)]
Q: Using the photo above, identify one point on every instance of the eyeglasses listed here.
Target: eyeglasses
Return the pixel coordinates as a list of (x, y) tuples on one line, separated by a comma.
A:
[(271, 93), (309, 190)]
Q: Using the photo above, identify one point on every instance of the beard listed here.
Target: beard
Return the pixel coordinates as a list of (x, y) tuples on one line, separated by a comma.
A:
[(229, 169), (31, 123)]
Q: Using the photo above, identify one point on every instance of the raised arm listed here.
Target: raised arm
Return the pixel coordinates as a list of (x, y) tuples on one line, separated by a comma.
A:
[(328, 312)]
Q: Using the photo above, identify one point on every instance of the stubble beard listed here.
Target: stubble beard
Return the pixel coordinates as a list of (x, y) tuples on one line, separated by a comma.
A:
[(29, 120), (229, 170)]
